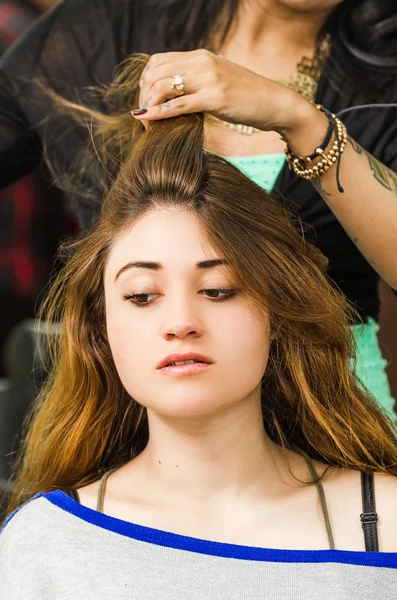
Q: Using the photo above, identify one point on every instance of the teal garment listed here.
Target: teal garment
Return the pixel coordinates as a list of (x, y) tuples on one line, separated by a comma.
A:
[(262, 168), (370, 364)]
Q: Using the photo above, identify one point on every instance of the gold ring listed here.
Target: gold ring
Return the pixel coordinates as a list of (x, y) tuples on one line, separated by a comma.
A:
[(178, 85)]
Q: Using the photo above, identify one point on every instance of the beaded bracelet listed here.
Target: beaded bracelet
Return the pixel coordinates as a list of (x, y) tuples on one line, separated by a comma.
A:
[(299, 163)]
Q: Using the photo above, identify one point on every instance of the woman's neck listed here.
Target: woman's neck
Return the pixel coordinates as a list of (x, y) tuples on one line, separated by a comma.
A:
[(268, 28), (226, 456)]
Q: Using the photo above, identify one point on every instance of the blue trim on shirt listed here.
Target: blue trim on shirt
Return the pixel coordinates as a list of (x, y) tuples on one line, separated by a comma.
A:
[(189, 544)]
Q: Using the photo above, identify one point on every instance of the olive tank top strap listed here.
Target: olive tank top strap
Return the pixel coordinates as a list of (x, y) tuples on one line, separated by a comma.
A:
[(323, 501), (102, 489)]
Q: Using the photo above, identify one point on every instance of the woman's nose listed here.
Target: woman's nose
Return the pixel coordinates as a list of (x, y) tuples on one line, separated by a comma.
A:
[(181, 321)]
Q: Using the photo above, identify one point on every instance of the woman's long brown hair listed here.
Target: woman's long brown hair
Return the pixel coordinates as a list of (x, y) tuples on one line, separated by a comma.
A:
[(84, 422)]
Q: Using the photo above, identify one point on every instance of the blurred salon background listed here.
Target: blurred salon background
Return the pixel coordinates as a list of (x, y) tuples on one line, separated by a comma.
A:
[(34, 217)]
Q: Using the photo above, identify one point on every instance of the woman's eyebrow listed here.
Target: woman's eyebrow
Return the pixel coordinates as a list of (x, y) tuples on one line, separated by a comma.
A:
[(155, 266), (139, 264), (210, 264)]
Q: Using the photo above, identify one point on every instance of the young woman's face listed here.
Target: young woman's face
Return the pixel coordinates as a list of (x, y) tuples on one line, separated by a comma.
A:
[(169, 299)]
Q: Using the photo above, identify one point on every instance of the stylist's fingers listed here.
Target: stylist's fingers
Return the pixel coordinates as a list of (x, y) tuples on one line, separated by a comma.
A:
[(171, 64), (168, 68), (170, 88), (164, 58), (156, 81), (170, 108)]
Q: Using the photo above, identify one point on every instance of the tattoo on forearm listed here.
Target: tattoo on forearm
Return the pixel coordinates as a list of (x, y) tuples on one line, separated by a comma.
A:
[(356, 147), (320, 190), (383, 175)]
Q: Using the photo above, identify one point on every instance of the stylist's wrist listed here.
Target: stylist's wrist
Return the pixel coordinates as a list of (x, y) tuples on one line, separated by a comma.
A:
[(301, 124)]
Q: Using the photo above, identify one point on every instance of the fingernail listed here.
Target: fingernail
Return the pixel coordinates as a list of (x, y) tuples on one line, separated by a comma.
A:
[(139, 111)]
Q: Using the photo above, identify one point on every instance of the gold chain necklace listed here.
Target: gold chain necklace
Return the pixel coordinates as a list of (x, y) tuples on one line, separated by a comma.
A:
[(304, 81)]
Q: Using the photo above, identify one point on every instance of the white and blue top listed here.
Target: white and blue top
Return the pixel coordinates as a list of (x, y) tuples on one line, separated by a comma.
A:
[(53, 548)]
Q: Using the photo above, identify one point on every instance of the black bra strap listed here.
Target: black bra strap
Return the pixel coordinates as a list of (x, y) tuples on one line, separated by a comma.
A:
[(369, 517)]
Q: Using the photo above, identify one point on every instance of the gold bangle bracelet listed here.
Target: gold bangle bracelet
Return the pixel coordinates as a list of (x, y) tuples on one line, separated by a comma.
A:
[(326, 160)]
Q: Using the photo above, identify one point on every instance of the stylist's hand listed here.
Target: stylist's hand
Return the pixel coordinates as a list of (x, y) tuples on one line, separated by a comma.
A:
[(217, 86)]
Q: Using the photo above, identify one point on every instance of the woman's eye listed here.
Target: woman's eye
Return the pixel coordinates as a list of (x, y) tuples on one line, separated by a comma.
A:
[(219, 294), (141, 299)]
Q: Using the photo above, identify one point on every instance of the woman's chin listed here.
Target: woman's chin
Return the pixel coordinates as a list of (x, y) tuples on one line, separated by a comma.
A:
[(188, 407)]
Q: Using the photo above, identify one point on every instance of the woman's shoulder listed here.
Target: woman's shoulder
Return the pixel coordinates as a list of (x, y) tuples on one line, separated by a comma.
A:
[(22, 537), (32, 538), (385, 502), (344, 495), (35, 520), (28, 517)]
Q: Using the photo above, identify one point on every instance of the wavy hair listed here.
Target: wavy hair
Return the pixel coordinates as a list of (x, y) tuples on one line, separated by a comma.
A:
[(84, 422)]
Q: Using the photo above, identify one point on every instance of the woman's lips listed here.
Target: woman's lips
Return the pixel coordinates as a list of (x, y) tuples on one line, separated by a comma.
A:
[(184, 364), (185, 369)]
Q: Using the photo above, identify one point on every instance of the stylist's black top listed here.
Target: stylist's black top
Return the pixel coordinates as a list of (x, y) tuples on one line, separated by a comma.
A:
[(80, 42)]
